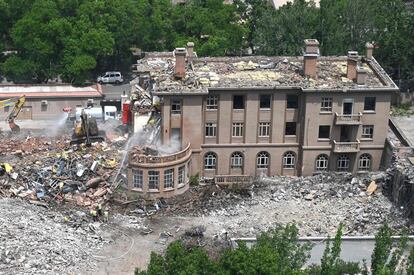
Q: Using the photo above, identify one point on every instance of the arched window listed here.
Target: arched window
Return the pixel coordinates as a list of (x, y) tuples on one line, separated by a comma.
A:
[(321, 163), (343, 163), (263, 160), (364, 163), (210, 161), (289, 160), (236, 160)]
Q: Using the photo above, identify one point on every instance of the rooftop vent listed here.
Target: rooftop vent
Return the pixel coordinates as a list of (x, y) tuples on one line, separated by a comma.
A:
[(190, 51), (361, 76), (370, 50)]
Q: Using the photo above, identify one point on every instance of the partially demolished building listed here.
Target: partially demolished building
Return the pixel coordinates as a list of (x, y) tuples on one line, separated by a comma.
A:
[(240, 117)]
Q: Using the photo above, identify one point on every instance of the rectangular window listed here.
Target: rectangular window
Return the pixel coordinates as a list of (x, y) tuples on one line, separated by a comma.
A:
[(292, 101), (324, 131), (137, 178), (176, 107), (43, 108), (369, 103), (211, 129), (326, 104), (169, 178), (264, 129), (367, 131), (153, 179), (238, 102), (290, 129), (237, 129), (181, 175), (212, 102), (265, 101)]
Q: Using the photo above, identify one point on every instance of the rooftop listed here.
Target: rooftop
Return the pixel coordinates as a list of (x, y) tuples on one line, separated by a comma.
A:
[(258, 72), (48, 91)]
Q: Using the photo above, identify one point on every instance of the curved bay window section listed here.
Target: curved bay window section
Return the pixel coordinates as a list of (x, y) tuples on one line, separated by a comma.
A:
[(159, 176)]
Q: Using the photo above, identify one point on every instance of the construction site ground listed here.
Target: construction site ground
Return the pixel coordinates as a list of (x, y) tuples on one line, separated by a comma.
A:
[(44, 230)]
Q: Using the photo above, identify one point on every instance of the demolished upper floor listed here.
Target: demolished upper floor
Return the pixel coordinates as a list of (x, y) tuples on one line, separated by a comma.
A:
[(182, 71)]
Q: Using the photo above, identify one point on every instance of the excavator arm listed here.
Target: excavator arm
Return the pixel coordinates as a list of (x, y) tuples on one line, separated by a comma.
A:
[(18, 103)]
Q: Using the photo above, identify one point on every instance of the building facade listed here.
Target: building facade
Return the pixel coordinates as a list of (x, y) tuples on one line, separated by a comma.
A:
[(47, 102), (252, 116)]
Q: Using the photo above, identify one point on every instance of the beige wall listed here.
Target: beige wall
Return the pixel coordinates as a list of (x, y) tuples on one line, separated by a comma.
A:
[(54, 107)]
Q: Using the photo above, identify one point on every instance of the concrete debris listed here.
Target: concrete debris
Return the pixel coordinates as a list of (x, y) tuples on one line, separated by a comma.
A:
[(316, 204), (42, 241), (45, 169), (371, 188)]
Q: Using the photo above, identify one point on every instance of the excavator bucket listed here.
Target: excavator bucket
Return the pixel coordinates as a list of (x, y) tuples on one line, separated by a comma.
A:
[(14, 127)]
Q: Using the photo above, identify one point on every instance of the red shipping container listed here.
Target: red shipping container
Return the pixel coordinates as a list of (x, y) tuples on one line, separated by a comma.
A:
[(126, 114)]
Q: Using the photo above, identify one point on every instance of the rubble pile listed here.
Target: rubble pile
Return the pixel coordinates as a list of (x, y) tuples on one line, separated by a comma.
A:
[(316, 204), (45, 242), (43, 169)]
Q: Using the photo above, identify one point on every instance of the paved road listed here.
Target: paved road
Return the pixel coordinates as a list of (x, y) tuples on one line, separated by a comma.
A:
[(115, 91), (351, 250)]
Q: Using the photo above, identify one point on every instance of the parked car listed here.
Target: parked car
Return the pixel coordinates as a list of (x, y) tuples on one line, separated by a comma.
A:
[(111, 77)]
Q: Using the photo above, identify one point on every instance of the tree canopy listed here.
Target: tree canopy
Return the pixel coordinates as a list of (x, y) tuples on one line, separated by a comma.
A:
[(77, 39)]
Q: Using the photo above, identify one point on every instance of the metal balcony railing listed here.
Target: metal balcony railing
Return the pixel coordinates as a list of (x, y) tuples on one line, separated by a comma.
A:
[(233, 179), (346, 147), (348, 119)]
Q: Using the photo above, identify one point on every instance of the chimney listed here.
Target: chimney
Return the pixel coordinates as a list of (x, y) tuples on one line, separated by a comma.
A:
[(310, 57), (370, 50), (361, 76), (190, 51), (352, 62), (180, 54)]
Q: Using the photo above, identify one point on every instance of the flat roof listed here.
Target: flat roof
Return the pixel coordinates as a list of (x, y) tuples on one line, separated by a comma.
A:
[(50, 91), (258, 72)]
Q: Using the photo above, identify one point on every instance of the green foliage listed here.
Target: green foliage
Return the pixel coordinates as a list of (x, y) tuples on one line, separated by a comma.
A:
[(276, 252), (77, 39), (404, 109), (410, 268), (195, 179)]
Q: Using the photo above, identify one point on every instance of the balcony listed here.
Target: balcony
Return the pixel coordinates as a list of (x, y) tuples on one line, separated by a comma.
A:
[(233, 179), (350, 119), (345, 147), (138, 159)]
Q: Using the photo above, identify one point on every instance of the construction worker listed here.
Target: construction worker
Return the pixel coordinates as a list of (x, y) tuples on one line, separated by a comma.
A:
[(106, 215), (94, 214), (99, 209)]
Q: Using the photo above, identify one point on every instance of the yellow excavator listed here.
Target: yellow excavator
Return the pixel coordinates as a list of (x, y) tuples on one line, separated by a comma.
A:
[(18, 103), (86, 130)]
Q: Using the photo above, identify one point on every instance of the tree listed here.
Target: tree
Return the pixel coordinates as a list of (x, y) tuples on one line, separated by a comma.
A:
[(282, 31)]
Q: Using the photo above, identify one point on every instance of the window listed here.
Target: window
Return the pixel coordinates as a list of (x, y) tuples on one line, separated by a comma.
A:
[(210, 161), (153, 179), (236, 160), (176, 107), (265, 101), (137, 178), (364, 163), (326, 104), (43, 108), (262, 160), (181, 175), (367, 131), (292, 101), (343, 163), (369, 104), (237, 129), (169, 178), (211, 129), (238, 102), (211, 102), (264, 129), (289, 160), (321, 163), (290, 129), (324, 131)]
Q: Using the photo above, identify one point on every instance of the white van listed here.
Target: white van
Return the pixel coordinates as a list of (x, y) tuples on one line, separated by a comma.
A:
[(110, 112), (111, 77)]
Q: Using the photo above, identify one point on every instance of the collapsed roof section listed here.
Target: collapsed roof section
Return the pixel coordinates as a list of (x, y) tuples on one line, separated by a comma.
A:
[(261, 72)]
